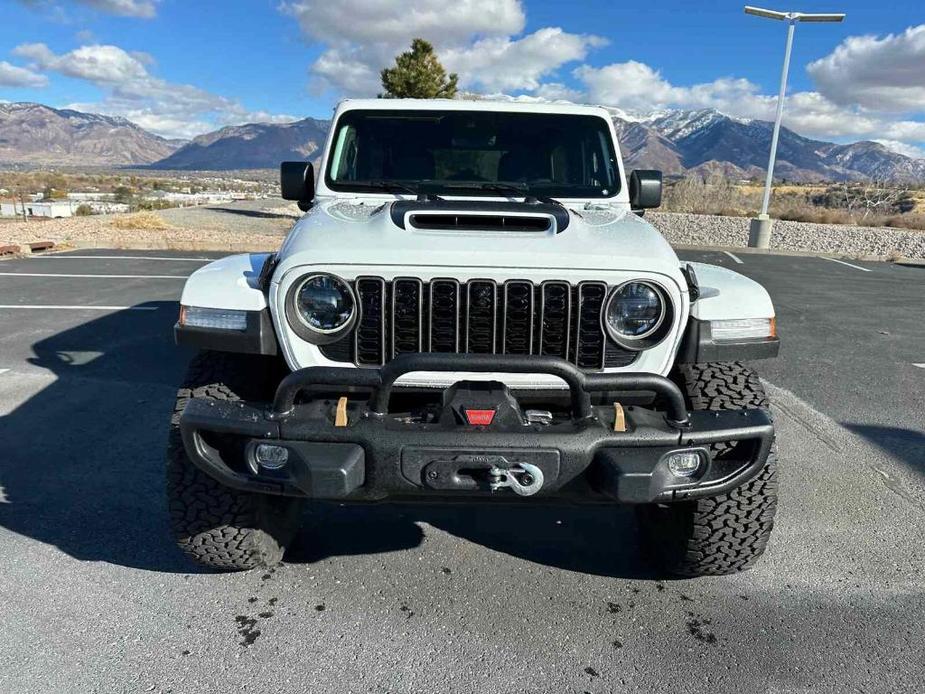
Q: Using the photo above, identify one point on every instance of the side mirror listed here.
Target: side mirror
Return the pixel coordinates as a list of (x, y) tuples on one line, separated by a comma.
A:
[(645, 189), (297, 182)]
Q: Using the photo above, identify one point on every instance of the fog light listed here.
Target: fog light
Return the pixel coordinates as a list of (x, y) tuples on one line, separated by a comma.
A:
[(684, 463), (270, 456)]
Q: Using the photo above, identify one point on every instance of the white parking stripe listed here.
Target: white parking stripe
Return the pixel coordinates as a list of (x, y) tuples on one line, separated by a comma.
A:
[(109, 277), (115, 257), (842, 262), (735, 258), (3, 371), (37, 307), (921, 366)]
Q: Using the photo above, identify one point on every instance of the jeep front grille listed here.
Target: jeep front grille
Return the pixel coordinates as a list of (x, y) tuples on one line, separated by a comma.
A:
[(479, 317)]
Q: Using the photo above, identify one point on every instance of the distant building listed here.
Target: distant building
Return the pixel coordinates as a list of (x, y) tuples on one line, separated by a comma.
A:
[(52, 209)]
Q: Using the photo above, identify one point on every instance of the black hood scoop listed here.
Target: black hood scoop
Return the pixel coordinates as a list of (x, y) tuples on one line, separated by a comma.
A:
[(479, 215)]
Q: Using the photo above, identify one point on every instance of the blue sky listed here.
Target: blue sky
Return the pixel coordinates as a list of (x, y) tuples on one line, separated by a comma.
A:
[(182, 67)]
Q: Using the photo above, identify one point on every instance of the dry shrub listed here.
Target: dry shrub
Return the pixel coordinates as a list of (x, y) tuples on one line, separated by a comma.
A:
[(140, 221), (910, 220), (719, 196)]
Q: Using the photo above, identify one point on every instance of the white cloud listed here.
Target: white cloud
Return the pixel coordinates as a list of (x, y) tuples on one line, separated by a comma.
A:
[(144, 9), (346, 69), (14, 76), (478, 39), (637, 87), (97, 63), (503, 63), (125, 8), (882, 74), (396, 22), (131, 91), (556, 91), (903, 148)]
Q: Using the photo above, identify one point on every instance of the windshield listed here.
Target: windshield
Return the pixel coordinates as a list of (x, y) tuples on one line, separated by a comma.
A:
[(465, 152)]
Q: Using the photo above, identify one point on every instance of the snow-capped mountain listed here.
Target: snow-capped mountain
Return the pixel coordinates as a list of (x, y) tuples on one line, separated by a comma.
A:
[(675, 142), (36, 134)]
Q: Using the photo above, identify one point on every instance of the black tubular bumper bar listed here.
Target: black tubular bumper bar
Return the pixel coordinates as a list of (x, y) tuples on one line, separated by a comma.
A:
[(382, 380), (343, 442)]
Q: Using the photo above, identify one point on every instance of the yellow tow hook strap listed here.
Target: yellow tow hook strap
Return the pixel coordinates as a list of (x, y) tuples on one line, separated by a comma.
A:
[(340, 416), (619, 417)]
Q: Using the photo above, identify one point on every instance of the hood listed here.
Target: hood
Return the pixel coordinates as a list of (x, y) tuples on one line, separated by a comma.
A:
[(361, 231)]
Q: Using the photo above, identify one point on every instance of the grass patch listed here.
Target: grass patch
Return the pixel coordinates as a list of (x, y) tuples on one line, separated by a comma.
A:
[(140, 221)]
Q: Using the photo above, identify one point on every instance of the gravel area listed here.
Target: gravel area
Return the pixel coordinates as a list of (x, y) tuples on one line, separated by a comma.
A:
[(246, 225), (705, 230), (261, 224)]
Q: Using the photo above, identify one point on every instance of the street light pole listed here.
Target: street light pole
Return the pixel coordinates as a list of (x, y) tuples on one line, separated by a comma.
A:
[(780, 114), (760, 232)]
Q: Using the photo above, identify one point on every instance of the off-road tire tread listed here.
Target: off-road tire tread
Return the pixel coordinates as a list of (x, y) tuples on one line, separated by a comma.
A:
[(214, 525), (728, 533)]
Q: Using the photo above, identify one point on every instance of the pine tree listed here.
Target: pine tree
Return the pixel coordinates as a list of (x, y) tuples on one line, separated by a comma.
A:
[(418, 74)]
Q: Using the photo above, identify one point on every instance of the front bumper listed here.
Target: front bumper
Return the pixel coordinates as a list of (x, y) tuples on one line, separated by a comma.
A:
[(382, 455)]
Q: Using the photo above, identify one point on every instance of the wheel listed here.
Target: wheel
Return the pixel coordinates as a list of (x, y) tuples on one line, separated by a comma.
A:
[(214, 525), (727, 533)]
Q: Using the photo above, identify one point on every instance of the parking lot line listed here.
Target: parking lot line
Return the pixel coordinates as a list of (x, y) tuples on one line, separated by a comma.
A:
[(734, 257), (3, 371), (109, 277), (921, 366), (115, 257), (842, 262), (51, 307)]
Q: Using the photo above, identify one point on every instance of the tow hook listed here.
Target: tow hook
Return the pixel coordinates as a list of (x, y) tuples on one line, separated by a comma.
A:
[(523, 478)]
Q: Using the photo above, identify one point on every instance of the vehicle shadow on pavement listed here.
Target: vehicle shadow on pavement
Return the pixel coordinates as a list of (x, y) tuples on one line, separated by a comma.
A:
[(82, 469), (259, 214), (906, 445), (594, 540), (82, 466)]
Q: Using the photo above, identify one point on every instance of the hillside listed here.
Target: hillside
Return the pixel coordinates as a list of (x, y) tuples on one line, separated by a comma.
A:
[(252, 146), (675, 142), (36, 134)]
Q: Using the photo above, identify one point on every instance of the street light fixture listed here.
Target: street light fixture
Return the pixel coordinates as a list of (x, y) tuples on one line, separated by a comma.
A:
[(760, 233)]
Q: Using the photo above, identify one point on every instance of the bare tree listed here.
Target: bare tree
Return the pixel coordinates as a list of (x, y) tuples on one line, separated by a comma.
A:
[(875, 196)]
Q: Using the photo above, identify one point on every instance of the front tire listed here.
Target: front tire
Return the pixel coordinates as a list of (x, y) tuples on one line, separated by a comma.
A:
[(727, 533), (216, 526)]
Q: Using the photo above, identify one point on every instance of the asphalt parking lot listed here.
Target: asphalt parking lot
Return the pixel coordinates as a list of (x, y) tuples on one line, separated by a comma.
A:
[(94, 597)]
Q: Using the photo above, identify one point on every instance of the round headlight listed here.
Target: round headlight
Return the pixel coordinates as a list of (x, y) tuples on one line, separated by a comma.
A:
[(324, 304), (634, 311)]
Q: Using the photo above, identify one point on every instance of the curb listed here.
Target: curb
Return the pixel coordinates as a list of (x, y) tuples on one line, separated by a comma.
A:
[(742, 250), (165, 245), (28, 248), (248, 247)]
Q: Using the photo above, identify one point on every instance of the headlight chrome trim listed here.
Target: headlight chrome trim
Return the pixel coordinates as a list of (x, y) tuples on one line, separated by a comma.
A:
[(655, 334), (309, 333)]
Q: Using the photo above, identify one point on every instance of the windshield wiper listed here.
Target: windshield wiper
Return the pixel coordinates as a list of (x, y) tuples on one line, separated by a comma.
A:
[(510, 188), (392, 186)]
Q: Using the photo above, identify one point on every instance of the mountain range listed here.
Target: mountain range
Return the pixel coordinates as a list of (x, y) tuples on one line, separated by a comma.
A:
[(677, 142), (36, 134)]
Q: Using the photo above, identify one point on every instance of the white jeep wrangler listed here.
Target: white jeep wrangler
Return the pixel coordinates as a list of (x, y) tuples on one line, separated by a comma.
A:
[(473, 308)]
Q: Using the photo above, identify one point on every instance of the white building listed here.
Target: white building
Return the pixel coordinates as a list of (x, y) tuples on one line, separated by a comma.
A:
[(51, 209)]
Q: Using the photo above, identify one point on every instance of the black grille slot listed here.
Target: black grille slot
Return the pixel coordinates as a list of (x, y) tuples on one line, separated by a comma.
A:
[(517, 332), (616, 356), (481, 312), (370, 333), (589, 336), (444, 316), (555, 317), (473, 222), (407, 316)]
